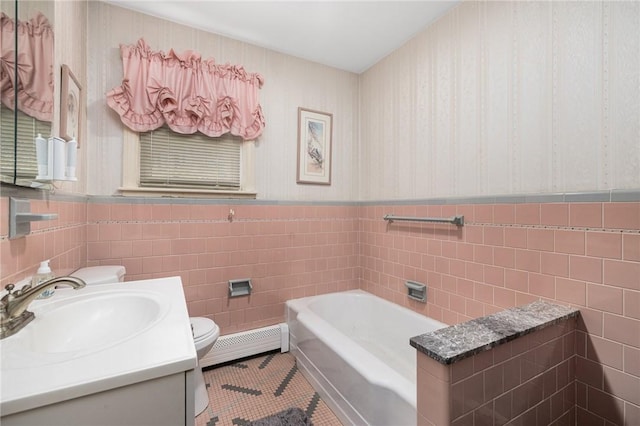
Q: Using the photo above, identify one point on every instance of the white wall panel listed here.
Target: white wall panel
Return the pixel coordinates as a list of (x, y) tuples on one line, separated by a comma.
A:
[(444, 121), (404, 97), (577, 47), (498, 78), (622, 92), (512, 98), (532, 105), (423, 178), (468, 152)]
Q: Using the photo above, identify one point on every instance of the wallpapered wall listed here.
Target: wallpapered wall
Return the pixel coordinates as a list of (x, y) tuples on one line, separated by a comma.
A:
[(289, 83), (506, 98), (70, 27)]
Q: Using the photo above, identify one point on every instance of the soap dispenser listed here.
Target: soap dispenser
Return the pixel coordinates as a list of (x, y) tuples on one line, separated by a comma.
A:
[(44, 274)]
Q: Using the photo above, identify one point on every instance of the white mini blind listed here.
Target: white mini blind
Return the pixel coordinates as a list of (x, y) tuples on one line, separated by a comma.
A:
[(28, 129), (171, 160)]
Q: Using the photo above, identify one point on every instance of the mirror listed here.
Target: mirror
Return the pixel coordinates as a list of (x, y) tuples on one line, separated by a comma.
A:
[(27, 86)]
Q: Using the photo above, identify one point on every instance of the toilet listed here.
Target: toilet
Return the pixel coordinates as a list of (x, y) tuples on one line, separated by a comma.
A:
[(205, 331), (205, 334)]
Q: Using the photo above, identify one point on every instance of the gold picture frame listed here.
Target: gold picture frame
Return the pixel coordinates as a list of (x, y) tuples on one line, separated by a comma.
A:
[(70, 105), (314, 147)]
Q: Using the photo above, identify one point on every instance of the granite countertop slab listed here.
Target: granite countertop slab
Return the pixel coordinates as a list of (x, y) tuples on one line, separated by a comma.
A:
[(451, 344)]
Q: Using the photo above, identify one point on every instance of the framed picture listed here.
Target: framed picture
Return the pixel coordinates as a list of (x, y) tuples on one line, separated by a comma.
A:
[(70, 105), (314, 147)]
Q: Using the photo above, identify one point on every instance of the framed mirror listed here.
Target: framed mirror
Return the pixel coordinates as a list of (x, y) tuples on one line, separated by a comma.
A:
[(27, 86)]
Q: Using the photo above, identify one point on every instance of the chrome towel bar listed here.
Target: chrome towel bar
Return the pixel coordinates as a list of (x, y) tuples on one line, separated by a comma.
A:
[(456, 220)]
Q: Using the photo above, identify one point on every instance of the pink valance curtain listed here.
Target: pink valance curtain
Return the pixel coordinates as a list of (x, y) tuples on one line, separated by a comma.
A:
[(187, 93), (35, 66)]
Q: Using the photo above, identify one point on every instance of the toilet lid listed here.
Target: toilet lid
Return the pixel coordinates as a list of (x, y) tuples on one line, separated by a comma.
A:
[(203, 328), (105, 274)]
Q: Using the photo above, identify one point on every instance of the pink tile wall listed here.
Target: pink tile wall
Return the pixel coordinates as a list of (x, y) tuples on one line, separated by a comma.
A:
[(62, 240), (582, 254), (528, 381), (287, 251)]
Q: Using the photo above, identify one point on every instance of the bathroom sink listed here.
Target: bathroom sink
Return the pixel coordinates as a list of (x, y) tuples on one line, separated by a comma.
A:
[(99, 338), (91, 322)]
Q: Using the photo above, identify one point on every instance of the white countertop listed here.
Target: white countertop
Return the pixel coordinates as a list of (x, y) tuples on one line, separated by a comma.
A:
[(30, 379)]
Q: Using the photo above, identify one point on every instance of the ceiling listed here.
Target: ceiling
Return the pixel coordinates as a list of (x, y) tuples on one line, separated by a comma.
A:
[(349, 35)]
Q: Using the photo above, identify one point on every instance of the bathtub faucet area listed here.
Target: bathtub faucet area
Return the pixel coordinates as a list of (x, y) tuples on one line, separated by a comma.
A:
[(13, 305)]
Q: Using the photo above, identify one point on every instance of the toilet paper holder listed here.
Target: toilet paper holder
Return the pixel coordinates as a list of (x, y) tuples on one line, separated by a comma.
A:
[(240, 287)]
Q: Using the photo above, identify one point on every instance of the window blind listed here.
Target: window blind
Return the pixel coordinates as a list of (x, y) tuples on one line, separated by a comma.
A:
[(28, 129), (172, 160)]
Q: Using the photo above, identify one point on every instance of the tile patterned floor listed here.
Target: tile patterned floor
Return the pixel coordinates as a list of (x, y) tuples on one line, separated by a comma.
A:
[(258, 387)]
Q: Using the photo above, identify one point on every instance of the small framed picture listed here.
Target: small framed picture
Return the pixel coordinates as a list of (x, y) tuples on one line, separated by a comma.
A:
[(314, 147), (70, 106)]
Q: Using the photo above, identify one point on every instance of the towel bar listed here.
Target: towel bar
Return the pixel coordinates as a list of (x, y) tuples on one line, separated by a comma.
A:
[(456, 220)]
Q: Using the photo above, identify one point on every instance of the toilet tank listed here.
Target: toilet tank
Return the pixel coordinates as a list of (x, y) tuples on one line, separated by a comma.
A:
[(106, 274)]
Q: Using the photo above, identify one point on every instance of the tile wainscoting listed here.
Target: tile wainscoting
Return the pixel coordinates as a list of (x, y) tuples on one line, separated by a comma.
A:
[(581, 250), (585, 254), (288, 251)]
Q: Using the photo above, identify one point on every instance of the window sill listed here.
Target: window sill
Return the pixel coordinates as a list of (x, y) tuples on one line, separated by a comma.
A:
[(185, 193)]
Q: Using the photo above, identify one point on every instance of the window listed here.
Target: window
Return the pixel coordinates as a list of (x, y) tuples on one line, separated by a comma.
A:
[(224, 101), (162, 161), (28, 129)]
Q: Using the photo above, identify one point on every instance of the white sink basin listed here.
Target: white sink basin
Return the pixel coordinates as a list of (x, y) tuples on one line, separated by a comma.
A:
[(98, 338), (91, 322)]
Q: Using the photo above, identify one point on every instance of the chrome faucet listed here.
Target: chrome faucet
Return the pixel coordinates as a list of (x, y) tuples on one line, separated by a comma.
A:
[(13, 306)]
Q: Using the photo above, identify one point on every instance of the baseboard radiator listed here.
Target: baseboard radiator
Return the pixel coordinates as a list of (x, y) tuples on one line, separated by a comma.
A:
[(246, 343)]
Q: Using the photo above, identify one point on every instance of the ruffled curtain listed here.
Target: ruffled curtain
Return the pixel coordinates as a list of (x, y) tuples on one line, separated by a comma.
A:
[(35, 66), (187, 93)]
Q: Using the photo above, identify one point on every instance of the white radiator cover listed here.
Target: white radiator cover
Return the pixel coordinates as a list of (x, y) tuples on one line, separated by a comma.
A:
[(246, 343)]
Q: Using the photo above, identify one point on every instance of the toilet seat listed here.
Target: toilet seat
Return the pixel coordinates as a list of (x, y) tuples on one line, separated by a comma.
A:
[(203, 329)]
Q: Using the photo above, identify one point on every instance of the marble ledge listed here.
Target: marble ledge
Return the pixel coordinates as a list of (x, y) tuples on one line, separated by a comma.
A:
[(451, 344)]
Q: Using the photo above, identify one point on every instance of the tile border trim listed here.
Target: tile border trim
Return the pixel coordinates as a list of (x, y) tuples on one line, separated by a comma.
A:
[(614, 195)]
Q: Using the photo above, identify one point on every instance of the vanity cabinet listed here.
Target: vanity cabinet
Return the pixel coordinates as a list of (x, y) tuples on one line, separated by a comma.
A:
[(165, 401)]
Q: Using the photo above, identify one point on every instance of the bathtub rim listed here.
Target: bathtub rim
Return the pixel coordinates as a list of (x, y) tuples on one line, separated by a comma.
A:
[(299, 310), (300, 302)]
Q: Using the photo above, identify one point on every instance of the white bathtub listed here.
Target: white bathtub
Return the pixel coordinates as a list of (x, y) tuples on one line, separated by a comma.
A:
[(354, 349)]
